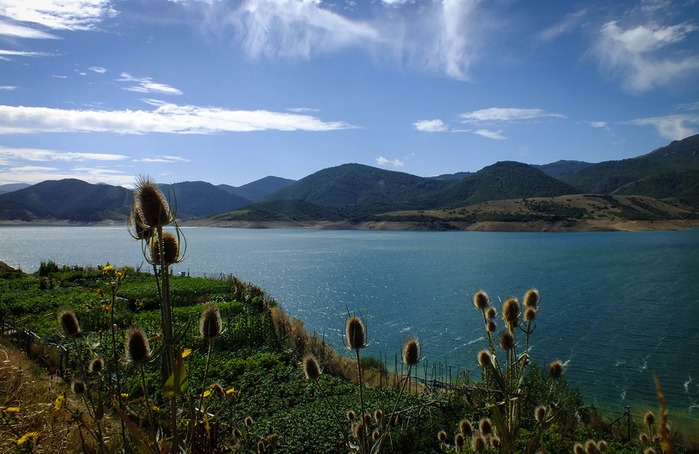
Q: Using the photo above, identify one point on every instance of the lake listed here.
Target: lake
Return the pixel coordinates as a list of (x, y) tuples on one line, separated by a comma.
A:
[(617, 307)]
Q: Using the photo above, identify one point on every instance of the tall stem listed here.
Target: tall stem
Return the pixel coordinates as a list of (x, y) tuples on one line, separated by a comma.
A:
[(363, 439), (145, 394)]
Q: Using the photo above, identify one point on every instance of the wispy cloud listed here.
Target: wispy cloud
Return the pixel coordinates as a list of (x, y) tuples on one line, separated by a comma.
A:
[(495, 135), (641, 57), (37, 174), (673, 127), (8, 87), (302, 109), (164, 159), (166, 118), (20, 31), (383, 162), (58, 14), (146, 85), (98, 69), (505, 114), (34, 154), (569, 23), (436, 125), (18, 53)]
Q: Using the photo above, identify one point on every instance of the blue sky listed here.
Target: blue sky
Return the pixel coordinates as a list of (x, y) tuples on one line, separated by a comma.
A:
[(232, 91)]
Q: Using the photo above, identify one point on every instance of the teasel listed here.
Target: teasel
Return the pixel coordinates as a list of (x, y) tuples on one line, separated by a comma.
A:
[(465, 427), (261, 447), (649, 418), (359, 430), (485, 426), (351, 415), (578, 449), (507, 340), (311, 368), (532, 298), (478, 443), (602, 446), (491, 327), (511, 312), (68, 324), (376, 434), (530, 314), (78, 386), (540, 413), (355, 334), (591, 447), (137, 347), (96, 365), (441, 435), (411, 352), (173, 252), (137, 227), (491, 313), (378, 416), (459, 442), (210, 323), (248, 421), (485, 359), (556, 370), (153, 210), (481, 300)]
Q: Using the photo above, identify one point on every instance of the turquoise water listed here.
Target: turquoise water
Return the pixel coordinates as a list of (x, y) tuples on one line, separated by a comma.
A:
[(616, 307)]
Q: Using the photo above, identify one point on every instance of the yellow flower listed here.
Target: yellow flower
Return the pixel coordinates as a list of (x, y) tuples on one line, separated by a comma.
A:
[(231, 392), (58, 404), (28, 436), (119, 274), (108, 267), (12, 410), (186, 352), (207, 393), (124, 396), (155, 408)]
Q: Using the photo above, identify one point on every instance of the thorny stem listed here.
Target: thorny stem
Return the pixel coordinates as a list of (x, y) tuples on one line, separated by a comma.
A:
[(89, 403), (115, 361), (145, 394), (361, 400), (206, 373)]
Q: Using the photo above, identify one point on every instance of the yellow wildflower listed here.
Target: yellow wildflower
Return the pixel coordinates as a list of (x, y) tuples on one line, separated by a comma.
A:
[(108, 267), (58, 404), (232, 391), (207, 393), (12, 410), (155, 408), (186, 352), (28, 436), (124, 395)]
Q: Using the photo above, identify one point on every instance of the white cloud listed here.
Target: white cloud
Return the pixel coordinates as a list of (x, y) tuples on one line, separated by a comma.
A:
[(34, 154), (495, 135), (98, 69), (36, 174), (19, 53), (383, 162), (599, 124), (638, 55), (302, 109), (569, 22), (8, 87), (58, 14), (166, 118), (431, 125), (19, 31), (164, 159), (673, 127), (146, 85), (505, 114)]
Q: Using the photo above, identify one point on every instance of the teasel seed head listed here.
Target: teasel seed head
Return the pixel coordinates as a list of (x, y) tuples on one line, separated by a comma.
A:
[(261, 447), (311, 368), (602, 446), (643, 438), (170, 246), (485, 359), (491, 327), (540, 413), (359, 430), (465, 427), (510, 312), (351, 415), (495, 441), (248, 421), (485, 426), (481, 300), (376, 434), (530, 314), (649, 451), (532, 298), (217, 391), (441, 435), (655, 439), (478, 443), (378, 416), (649, 418), (411, 352), (491, 313), (591, 447), (78, 386), (354, 332), (137, 347), (137, 227), (210, 322), (150, 203), (459, 442), (578, 449), (96, 365), (507, 340), (556, 370), (367, 420), (68, 324)]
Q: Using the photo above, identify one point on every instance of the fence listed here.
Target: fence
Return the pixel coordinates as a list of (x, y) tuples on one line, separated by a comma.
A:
[(54, 356)]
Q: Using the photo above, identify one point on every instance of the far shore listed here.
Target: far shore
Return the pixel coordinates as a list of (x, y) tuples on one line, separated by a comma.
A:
[(426, 226)]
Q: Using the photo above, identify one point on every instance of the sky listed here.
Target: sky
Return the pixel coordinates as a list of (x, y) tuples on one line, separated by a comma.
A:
[(231, 91)]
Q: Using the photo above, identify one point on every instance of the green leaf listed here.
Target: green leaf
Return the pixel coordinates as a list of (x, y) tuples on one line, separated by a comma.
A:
[(178, 383)]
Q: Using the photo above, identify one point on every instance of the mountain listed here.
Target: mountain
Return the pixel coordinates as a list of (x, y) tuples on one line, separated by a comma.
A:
[(562, 168), (72, 200), (5, 188), (360, 189), (258, 189), (502, 180), (281, 210), (665, 171), (453, 176), (196, 199)]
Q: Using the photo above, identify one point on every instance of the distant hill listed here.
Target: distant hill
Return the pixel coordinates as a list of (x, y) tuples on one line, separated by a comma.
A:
[(5, 188), (281, 210), (502, 180), (197, 199), (258, 189), (70, 199), (360, 189), (453, 176), (562, 168), (662, 171)]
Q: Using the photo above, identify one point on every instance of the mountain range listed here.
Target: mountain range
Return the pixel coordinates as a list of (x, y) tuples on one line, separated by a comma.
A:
[(353, 192)]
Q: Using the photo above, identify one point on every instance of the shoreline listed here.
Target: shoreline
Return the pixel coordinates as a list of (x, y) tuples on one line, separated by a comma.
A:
[(413, 226)]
